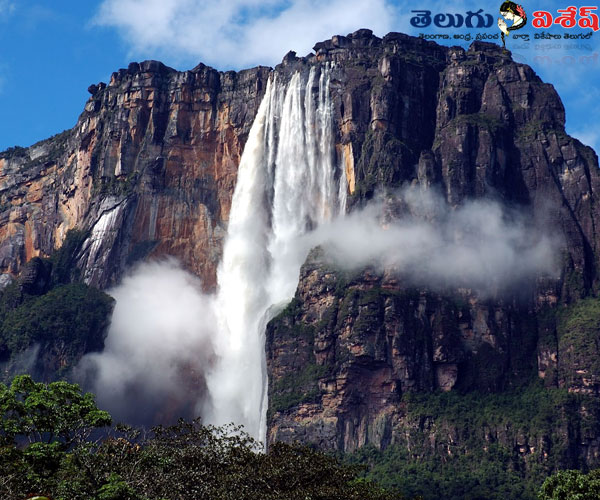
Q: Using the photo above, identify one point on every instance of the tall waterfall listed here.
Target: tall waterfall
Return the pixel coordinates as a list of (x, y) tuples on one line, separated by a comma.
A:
[(288, 183)]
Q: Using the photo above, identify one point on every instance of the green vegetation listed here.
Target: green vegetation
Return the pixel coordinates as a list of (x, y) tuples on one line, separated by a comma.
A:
[(578, 329), (46, 449), (530, 130), (65, 318), (58, 143), (74, 316), (296, 388), (122, 185), (47, 413), (571, 485), (480, 120), (13, 152), (482, 476), (532, 409), (55, 147), (301, 386), (51, 419), (498, 443), (482, 446), (370, 301)]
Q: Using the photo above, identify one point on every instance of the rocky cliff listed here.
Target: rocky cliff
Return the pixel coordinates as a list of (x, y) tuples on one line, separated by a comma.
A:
[(150, 166), (149, 170), (344, 355)]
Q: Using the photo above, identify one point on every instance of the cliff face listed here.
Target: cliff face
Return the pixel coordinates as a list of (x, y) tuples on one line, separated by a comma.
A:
[(357, 343), (150, 167), (345, 353)]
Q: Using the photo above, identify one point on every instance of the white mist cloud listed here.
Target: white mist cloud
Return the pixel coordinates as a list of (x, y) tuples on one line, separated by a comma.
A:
[(23, 362), (158, 347), (238, 33), (478, 245)]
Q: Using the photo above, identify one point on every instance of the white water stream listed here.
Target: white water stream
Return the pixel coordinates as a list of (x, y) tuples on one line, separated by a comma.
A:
[(287, 184), (166, 335)]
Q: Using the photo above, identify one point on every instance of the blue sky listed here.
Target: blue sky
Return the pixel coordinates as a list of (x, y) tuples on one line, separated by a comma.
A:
[(52, 51)]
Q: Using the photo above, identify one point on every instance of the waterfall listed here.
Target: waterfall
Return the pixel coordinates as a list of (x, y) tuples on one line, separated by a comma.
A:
[(288, 183)]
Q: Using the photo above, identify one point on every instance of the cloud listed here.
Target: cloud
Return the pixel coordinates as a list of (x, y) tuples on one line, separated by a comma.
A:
[(479, 245), (238, 33), (23, 362), (166, 340), (158, 346)]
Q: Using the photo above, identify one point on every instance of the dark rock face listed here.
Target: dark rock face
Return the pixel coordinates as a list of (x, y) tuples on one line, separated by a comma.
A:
[(359, 342), (35, 277), (150, 168), (473, 124)]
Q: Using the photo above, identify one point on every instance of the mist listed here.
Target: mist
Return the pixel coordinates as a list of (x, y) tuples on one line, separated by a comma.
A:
[(158, 347), (165, 354), (23, 362), (479, 245)]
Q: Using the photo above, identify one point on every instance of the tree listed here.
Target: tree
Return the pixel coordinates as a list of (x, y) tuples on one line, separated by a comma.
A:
[(571, 485), (39, 424), (46, 450), (48, 413), (190, 460)]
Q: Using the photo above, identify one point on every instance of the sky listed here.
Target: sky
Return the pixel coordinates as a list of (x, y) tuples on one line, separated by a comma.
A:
[(50, 52)]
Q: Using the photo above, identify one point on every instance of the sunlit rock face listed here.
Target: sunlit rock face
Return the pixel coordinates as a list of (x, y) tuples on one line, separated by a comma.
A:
[(151, 165), (149, 170)]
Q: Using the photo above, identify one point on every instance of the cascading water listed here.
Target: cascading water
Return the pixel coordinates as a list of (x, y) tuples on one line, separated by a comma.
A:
[(288, 183)]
